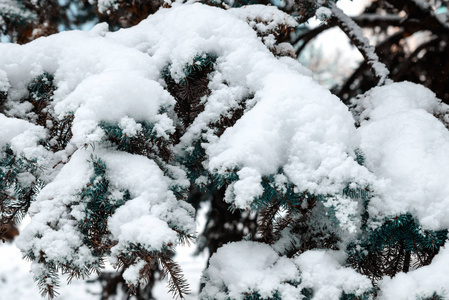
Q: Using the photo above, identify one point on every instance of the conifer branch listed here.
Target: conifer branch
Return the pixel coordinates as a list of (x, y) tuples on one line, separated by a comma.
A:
[(266, 219), (177, 284)]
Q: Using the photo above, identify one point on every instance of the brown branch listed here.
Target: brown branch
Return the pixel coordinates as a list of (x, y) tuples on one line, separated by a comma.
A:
[(354, 33), (305, 38), (394, 39), (376, 20), (364, 21)]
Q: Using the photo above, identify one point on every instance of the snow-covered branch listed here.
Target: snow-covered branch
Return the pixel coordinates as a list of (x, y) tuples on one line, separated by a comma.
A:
[(355, 34)]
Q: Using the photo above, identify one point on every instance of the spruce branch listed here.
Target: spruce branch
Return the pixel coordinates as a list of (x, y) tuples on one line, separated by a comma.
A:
[(177, 284), (266, 219)]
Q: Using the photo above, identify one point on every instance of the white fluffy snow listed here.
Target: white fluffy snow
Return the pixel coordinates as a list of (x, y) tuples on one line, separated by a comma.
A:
[(235, 270), (10, 128), (264, 19), (405, 147), (243, 268), (322, 270)]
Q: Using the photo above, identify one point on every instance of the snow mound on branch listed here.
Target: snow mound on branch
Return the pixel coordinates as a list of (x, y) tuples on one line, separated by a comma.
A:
[(323, 272), (265, 19), (152, 205), (235, 271), (12, 127), (406, 145), (290, 123), (296, 126)]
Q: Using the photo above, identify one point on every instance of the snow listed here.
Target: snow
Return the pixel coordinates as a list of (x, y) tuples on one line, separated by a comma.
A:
[(105, 5), (12, 127), (131, 275), (404, 146), (322, 270), (298, 126), (59, 238), (129, 126), (264, 19), (323, 13), (248, 187), (235, 271), (345, 211), (353, 7), (4, 85), (152, 206), (16, 282)]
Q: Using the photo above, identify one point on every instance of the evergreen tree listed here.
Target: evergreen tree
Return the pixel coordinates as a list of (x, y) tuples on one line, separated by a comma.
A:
[(110, 135)]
